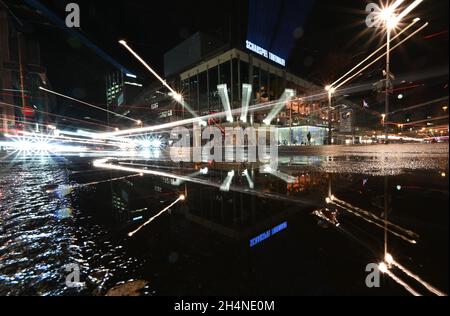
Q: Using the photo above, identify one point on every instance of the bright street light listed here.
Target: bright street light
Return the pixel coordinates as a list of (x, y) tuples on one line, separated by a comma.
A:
[(388, 17)]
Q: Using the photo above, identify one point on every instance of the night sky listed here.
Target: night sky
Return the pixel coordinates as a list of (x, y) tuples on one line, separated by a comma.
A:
[(320, 43)]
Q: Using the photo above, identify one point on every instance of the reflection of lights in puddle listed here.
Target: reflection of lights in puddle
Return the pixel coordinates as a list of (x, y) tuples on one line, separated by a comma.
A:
[(64, 213), (383, 267), (389, 259)]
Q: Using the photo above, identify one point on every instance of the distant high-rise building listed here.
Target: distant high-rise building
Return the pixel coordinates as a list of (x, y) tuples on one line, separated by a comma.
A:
[(121, 87)]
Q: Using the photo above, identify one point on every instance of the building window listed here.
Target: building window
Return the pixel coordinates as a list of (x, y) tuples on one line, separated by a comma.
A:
[(244, 72), (256, 83), (193, 93), (214, 99), (237, 84), (203, 92)]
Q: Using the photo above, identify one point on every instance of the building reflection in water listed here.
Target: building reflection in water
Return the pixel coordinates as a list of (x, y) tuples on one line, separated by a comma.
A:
[(256, 202)]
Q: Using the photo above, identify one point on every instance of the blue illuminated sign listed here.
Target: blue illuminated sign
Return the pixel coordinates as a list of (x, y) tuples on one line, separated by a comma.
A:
[(267, 234), (265, 53)]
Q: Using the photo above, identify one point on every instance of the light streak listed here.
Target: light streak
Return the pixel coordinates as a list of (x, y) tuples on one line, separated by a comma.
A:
[(408, 10), (401, 282), (377, 59), (31, 137), (179, 182), (287, 96), (251, 184), (401, 138), (87, 104), (124, 43), (419, 105), (223, 93), (373, 54), (227, 182), (175, 95), (133, 84), (38, 144), (396, 4), (428, 286), (427, 120), (403, 234), (106, 181), (169, 126), (410, 233), (181, 198), (280, 175), (246, 97), (66, 189), (64, 118), (104, 164)]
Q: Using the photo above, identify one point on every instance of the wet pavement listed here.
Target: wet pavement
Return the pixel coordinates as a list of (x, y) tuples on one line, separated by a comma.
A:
[(61, 211)]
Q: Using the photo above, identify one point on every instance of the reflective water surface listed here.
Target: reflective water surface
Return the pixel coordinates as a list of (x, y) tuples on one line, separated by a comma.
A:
[(244, 229)]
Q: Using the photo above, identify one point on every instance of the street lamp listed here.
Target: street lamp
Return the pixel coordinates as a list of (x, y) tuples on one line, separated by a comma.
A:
[(388, 18), (330, 90), (175, 95)]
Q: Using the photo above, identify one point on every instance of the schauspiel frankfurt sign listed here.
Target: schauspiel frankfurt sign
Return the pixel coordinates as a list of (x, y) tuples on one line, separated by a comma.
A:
[(264, 52)]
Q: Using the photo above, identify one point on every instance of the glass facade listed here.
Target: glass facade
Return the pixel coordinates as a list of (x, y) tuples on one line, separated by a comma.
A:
[(318, 135), (235, 68)]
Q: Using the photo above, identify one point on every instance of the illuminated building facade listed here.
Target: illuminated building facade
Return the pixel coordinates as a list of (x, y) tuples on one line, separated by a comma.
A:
[(121, 88), (205, 67)]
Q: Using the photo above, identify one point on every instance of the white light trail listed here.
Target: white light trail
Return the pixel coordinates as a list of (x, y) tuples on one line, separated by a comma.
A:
[(247, 90), (408, 10), (406, 235), (178, 182), (107, 181), (280, 175), (251, 184), (418, 140), (124, 43), (428, 286), (133, 84), (88, 104), (227, 182), (169, 126), (398, 280), (373, 54), (223, 93), (66, 188), (396, 4), (104, 164), (286, 97), (377, 59), (181, 198), (175, 95), (39, 144), (65, 139)]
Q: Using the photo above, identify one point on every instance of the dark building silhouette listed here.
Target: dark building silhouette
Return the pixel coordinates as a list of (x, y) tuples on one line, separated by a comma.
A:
[(24, 106)]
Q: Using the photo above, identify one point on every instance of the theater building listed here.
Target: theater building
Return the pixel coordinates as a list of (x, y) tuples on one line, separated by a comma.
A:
[(198, 65)]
